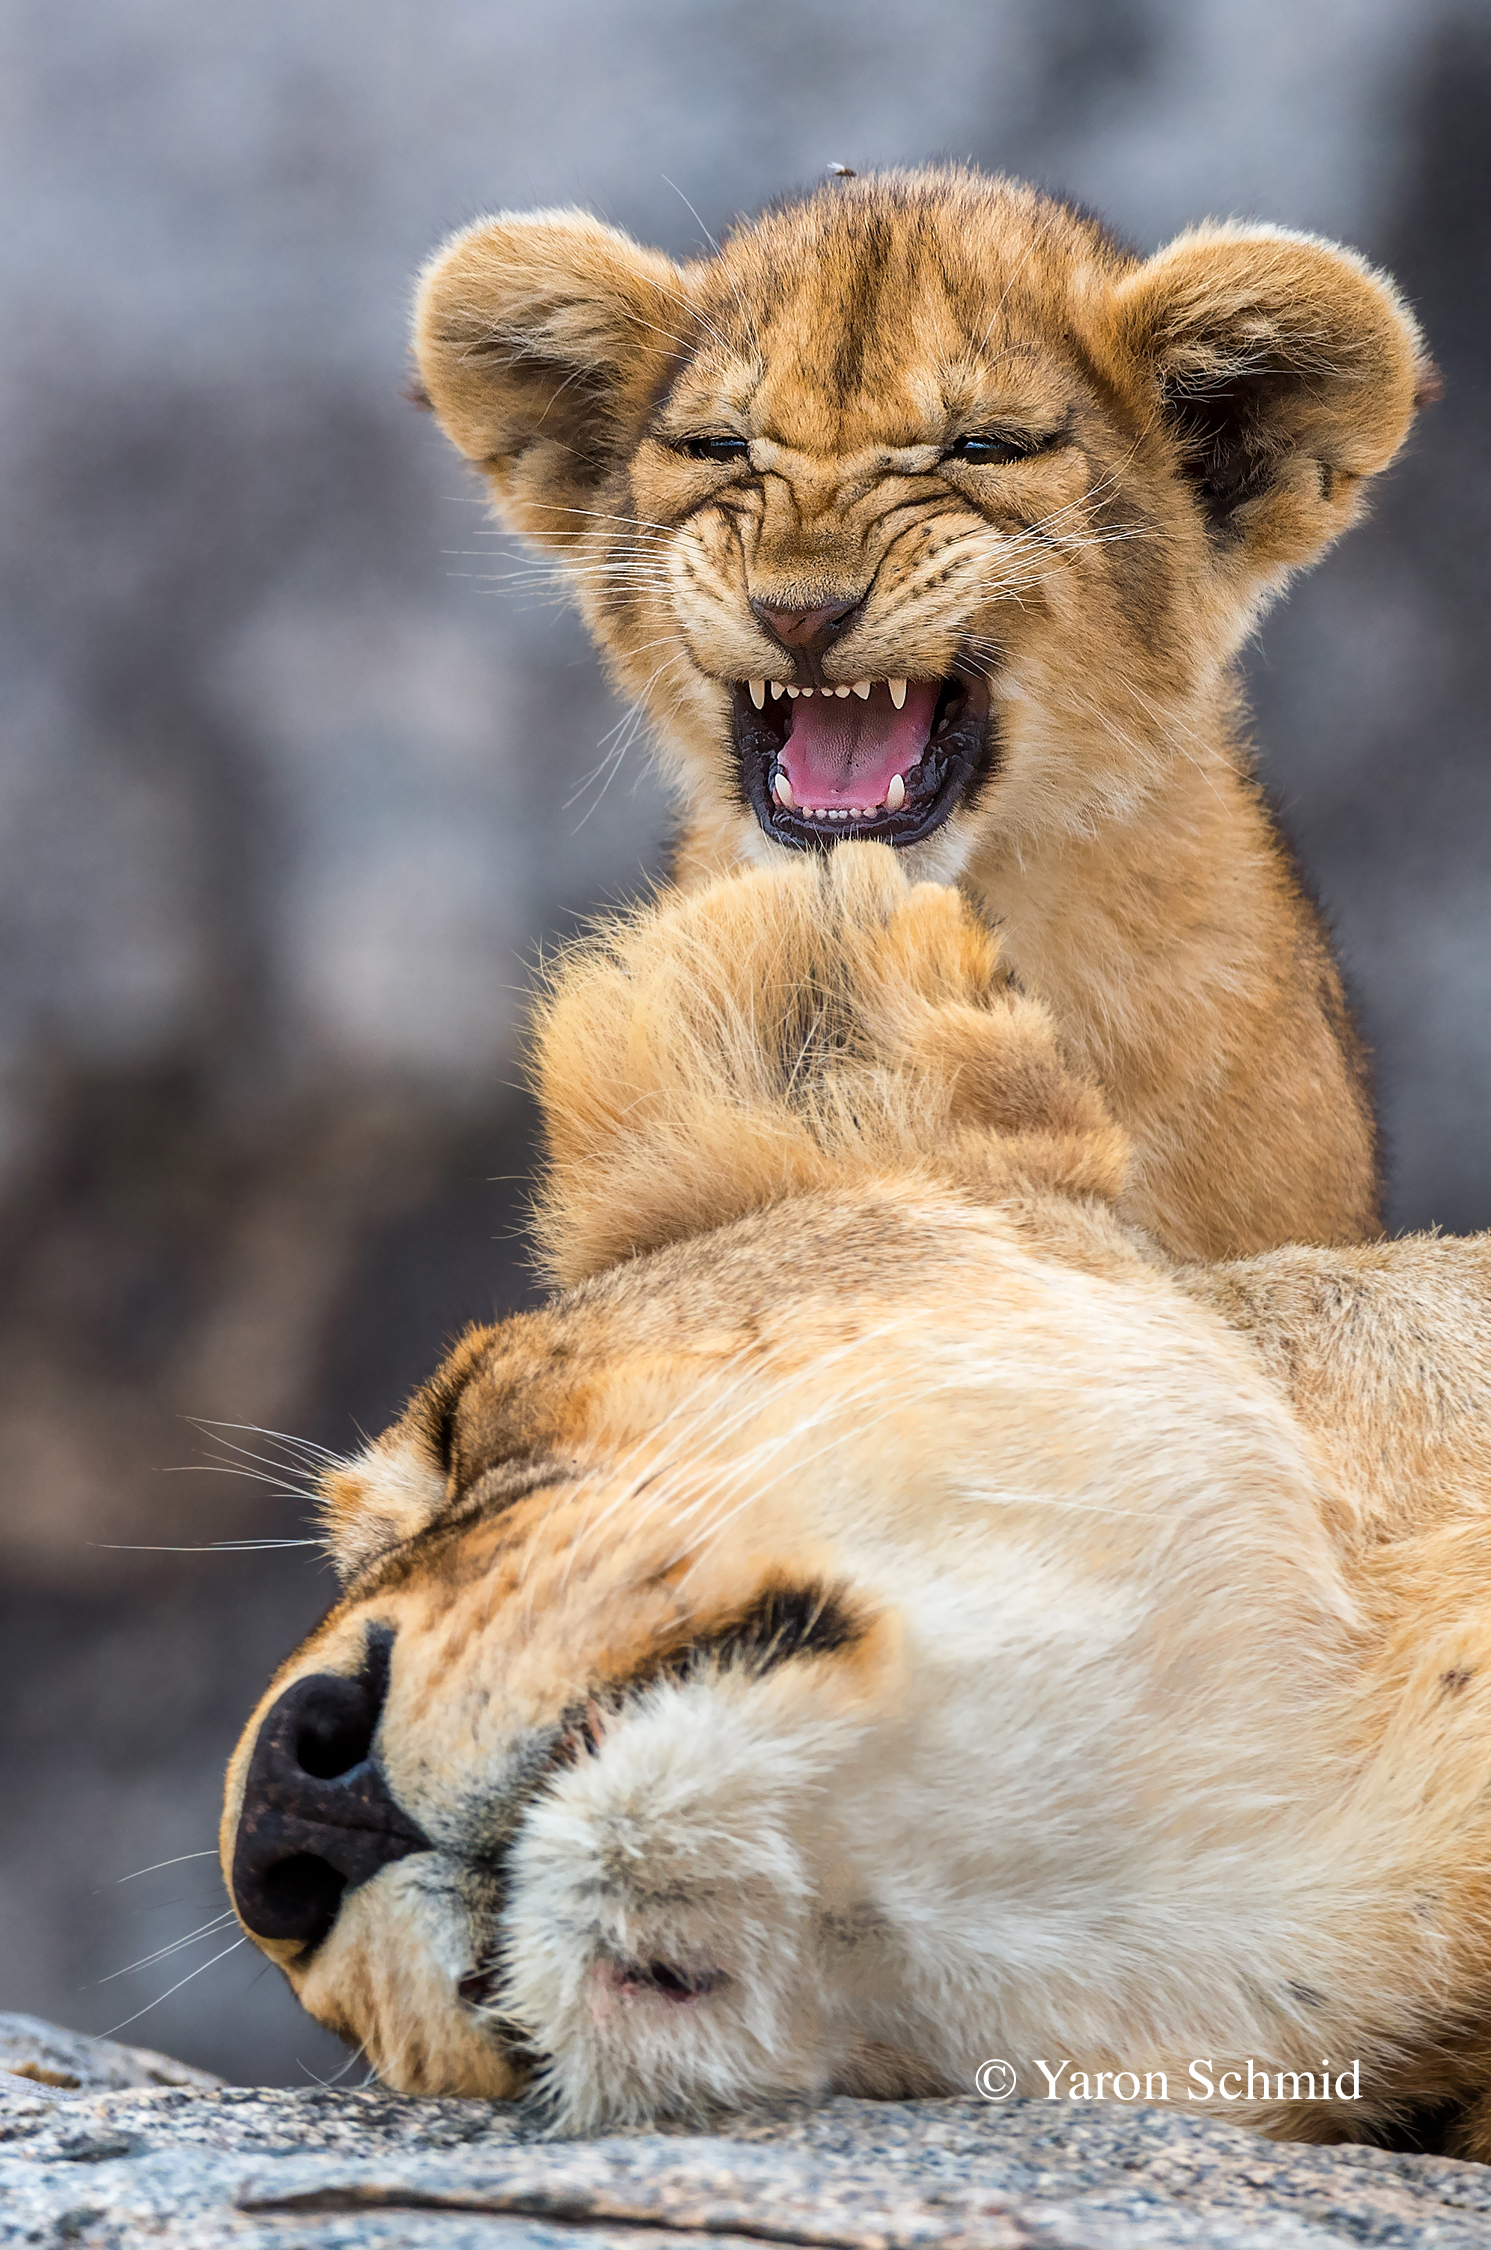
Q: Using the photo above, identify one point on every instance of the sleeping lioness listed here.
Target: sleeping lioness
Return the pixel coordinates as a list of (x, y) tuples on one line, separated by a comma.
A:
[(928, 512), (884, 1614)]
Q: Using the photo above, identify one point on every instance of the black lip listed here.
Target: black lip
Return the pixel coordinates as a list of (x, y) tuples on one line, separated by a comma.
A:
[(962, 754)]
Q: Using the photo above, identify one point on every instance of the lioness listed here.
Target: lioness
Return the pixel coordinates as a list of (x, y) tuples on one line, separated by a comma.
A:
[(926, 511), (885, 1614)]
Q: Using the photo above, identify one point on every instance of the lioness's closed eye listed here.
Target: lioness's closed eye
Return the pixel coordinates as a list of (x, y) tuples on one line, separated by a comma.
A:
[(927, 511), (890, 1616)]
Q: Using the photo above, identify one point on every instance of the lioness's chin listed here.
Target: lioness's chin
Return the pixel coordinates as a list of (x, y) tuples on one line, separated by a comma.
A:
[(888, 760)]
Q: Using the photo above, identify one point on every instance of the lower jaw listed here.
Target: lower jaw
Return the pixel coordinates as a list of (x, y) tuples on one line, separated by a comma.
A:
[(960, 756)]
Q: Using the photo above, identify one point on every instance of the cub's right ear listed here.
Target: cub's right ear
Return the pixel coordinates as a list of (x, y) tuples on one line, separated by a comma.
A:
[(541, 339)]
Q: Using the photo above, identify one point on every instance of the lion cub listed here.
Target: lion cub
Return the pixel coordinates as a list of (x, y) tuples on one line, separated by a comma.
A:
[(926, 511)]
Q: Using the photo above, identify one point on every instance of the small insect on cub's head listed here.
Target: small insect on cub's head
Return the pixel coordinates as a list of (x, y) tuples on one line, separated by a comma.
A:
[(539, 1806)]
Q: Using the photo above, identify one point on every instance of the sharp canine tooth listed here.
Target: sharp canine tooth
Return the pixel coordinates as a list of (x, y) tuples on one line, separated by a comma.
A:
[(776, 690), (895, 795), (862, 690), (781, 789), (897, 693), (758, 693)]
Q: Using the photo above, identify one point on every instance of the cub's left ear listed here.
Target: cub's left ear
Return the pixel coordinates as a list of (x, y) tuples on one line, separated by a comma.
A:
[(1287, 371)]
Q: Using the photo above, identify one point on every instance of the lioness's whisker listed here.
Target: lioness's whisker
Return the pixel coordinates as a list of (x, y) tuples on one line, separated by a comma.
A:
[(276, 1437), (114, 2029), (148, 1960), (337, 2075), (211, 1547), (157, 1864)]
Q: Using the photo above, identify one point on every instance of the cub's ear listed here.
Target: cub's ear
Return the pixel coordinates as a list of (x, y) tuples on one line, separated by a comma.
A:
[(1287, 370), (542, 338)]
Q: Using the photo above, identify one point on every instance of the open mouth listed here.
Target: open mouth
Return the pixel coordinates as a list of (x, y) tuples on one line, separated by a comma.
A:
[(889, 759)]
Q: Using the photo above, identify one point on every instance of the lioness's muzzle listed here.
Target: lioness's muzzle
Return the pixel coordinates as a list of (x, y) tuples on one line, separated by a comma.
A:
[(317, 1817)]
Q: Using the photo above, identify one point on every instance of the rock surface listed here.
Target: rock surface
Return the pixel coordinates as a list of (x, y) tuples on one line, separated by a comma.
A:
[(182, 2167), (71, 2062)]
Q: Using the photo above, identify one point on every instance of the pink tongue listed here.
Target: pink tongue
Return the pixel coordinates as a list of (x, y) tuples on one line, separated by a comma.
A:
[(841, 751)]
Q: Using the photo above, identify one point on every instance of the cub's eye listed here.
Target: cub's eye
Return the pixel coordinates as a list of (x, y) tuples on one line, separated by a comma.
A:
[(985, 448), (719, 449)]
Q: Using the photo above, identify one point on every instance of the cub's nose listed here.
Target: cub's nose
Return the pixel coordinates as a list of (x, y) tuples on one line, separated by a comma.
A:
[(317, 1818), (809, 631)]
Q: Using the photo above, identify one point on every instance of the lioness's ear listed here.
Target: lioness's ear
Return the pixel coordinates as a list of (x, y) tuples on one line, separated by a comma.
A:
[(541, 339), (1287, 370)]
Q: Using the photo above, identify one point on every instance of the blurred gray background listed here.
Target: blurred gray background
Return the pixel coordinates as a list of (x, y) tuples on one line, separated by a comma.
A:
[(291, 792)]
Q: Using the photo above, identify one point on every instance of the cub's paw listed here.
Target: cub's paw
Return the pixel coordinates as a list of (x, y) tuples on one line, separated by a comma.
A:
[(789, 1029)]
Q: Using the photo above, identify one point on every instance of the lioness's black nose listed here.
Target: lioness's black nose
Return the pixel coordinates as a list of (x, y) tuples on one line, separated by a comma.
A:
[(808, 630), (317, 1816)]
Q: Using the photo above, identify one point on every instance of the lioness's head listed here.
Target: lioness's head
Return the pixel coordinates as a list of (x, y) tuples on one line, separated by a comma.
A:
[(747, 1670), (924, 508)]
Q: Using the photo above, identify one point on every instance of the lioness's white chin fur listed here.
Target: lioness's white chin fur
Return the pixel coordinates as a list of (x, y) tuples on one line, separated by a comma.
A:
[(694, 1837)]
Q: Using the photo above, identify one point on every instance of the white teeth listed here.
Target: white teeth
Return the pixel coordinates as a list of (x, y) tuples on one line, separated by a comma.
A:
[(758, 693), (781, 789), (805, 691), (841, 691), (895, 796), (776, 690), (862, 690), (793, 691), (897, 693)]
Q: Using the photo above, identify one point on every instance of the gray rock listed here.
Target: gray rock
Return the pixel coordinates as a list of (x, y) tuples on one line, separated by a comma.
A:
[(184, 2169), (71, 2062)]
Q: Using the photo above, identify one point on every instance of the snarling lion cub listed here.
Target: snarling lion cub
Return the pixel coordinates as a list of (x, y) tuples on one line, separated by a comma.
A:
[(884, 1614), (925, 511)]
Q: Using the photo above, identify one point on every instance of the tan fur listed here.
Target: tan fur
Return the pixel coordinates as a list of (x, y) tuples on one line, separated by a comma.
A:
[(1207, 421), (1152, 1724), (646, 1049)]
